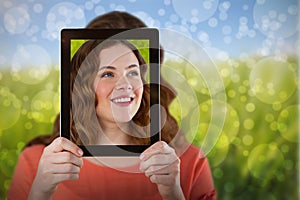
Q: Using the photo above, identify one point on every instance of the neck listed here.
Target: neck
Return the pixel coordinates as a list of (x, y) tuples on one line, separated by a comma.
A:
[(114, 133)]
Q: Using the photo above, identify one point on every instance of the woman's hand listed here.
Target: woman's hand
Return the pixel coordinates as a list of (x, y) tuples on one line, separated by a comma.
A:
[(60, 161), (161, 164)]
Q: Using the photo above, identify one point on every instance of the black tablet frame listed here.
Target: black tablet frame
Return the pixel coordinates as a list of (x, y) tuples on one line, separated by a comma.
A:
[(150, 34)]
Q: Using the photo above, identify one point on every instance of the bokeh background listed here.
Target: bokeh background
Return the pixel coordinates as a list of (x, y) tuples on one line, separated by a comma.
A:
[(253, 152)]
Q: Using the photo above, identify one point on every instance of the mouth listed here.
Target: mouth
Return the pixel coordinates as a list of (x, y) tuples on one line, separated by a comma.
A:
[(123, 100)]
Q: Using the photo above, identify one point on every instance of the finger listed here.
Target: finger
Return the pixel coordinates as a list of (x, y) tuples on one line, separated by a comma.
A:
[(63, 144), (61, 168), (160, 170), (166, 179), (66, 157), (160, 160), (57, 178), (66, 168), (158, 148)]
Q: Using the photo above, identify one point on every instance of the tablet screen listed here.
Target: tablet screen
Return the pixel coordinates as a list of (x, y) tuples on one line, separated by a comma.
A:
[(110, 90)]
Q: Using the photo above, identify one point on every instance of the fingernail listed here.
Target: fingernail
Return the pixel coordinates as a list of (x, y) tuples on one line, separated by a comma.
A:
[(80, 152)]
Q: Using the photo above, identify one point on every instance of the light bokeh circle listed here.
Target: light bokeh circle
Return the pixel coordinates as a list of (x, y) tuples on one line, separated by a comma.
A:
[(204, 138), (230, 126), (11, 106), (211, 132), (147, 19), (30, 64), (185, 107), (63, 15), (44, 106), (287, 125), (198, 61), (195, 11), (16, 20), (272, 80), (263, 161), (276, 18)]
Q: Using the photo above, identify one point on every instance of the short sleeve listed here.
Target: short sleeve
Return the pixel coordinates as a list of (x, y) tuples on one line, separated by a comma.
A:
[(196, 179), (24, 173), (203, 182)]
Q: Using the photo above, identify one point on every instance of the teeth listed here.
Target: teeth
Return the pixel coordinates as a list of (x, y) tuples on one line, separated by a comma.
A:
[(121, 100)]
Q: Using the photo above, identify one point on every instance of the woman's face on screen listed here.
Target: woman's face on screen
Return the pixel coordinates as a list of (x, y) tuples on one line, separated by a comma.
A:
[(118, 85)]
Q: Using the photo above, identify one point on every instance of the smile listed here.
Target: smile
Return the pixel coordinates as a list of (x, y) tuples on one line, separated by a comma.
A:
[(122, 100)]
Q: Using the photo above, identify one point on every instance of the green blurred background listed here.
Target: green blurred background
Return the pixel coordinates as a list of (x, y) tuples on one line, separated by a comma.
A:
[(255, 156)]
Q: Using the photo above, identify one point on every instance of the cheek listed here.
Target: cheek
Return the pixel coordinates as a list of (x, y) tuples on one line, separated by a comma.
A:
[(137, 84), (103, 91), (139, 92), (138, 87)]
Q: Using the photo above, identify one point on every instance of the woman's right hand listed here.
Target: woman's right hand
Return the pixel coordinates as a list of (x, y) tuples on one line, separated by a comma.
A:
[(60, 161)]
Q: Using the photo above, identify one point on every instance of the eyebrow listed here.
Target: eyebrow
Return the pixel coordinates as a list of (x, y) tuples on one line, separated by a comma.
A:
[(114, 68)]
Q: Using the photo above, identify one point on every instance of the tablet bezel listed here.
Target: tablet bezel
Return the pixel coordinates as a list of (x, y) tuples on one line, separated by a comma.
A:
[(150, 34)]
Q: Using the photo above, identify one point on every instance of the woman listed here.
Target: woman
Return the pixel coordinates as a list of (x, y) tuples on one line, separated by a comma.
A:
[(116, 72), (59, 171)]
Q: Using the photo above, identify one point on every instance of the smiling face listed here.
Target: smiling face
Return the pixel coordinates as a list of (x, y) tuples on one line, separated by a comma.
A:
[(118, 85)]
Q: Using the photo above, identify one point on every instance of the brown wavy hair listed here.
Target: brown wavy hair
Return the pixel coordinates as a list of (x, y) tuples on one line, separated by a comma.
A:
[(84, 67), (117, 19)]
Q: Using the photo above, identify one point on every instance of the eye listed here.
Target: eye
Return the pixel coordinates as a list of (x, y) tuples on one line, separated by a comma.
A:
[(133, 73), (107, 75)]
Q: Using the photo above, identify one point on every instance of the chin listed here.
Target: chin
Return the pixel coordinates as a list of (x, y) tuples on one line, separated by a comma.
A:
[(123, 115), (123, 119)]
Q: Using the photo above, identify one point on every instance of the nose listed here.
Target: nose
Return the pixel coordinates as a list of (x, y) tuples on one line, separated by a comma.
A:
[(123, 84)]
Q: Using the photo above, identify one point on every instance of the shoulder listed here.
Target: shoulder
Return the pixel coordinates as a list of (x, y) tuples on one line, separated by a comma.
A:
[(32, 154), (192, 152), (196, 175), (28, 161), (193, 160), (33, 150), (27, 164)]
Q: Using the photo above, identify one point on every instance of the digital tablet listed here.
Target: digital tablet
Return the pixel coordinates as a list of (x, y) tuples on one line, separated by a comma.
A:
[(110, 92)]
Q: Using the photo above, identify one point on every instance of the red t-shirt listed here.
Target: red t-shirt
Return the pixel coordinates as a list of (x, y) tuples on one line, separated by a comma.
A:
[(100, 182)]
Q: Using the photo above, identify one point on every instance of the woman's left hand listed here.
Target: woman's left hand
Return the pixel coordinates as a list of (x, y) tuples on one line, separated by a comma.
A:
[(161, 164)]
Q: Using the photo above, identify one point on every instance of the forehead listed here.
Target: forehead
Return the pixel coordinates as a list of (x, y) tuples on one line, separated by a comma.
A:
[(115, 54)]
